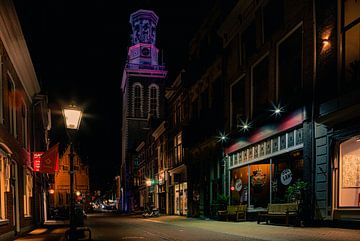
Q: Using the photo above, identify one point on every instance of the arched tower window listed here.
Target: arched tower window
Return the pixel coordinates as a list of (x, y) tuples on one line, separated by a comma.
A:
[(154, 100), (137, 99)]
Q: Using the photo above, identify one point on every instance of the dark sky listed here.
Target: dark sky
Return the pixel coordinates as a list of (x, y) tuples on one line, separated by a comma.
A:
[(79, 50)]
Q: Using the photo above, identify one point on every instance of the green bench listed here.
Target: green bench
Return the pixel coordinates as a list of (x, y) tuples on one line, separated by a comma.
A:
[(238, 212), (283, 211)]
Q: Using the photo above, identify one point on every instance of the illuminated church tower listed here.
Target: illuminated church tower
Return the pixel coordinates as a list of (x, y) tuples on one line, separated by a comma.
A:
[(142, 86)]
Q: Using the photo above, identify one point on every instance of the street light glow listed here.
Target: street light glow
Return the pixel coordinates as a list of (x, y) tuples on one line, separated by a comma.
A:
[(72, 116), (277, 109)]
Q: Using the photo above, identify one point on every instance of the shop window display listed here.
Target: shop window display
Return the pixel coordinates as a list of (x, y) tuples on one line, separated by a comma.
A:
[(239, 185), (286, 170), (349, 183), (260, 184)]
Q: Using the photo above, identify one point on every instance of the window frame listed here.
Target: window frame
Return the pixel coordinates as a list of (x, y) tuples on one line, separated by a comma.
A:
[(134, 99), (241, 78)]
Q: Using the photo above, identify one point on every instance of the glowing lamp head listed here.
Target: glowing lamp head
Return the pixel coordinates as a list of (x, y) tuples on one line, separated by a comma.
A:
[(232, 188), (51, 191), (148, 183), (277, 111), (72, 115), (78, 193)]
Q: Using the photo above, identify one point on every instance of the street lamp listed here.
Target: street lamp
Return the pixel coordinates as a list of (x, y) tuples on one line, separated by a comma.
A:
[(72, 116)]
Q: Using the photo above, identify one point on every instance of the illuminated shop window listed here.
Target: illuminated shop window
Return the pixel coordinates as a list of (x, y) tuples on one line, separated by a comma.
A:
[(286, 170), (4, 183), (260, 184), (349, 181), (239, 185)]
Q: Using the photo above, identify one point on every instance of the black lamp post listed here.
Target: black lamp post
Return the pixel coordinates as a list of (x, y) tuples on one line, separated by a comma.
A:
[(72, 116)]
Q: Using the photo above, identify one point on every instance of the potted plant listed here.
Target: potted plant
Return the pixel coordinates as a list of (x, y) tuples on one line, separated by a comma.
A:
[(222, 200), (295, 192)]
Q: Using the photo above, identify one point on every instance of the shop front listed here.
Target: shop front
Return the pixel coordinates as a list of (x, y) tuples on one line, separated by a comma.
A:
[(161, 204), (346, 178), (178, 198), (260, 174), (263, 166)]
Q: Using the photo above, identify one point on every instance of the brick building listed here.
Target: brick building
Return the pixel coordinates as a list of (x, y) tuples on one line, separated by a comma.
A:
[(21, 191), (61, 185)]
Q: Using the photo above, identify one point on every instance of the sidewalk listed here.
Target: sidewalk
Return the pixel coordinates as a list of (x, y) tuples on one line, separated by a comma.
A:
[(264, 231), (51, 231)]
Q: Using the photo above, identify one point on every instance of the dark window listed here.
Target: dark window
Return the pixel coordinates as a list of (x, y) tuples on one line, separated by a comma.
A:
[(154, 101), (232, 54), (238, 102), (248, 42), (195, 109), (290, 68), (273, 18), (137, 101), (261, 99)]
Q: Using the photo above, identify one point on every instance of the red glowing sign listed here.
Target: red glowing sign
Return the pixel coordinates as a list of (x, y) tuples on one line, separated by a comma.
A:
[(37, 160)]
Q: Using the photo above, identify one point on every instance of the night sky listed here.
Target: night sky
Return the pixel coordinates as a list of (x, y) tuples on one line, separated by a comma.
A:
[(79, 50)]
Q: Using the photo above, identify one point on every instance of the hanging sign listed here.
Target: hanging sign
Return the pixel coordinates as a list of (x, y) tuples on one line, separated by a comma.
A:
[(286, 177), (37, 160), (238, 185)]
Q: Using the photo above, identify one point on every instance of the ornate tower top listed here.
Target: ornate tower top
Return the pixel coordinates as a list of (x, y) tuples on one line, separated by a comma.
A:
[(142, 54), (143, 24)]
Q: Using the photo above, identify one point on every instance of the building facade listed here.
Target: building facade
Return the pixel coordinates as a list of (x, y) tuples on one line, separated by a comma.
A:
[(269, 71), (61, 187), (281, 88), (142, 88), (21, 191), (337, 129)]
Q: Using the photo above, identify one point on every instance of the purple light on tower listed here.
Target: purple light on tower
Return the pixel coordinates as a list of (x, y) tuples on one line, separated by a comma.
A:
[(143, 53)]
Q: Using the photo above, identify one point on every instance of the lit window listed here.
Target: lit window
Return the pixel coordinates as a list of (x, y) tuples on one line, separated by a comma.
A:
[(178, 149), (28, 189), (4, 183), (351, 44)]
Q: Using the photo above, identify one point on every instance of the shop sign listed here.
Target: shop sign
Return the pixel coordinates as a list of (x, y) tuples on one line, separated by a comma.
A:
[(37, 160), (238, 185), (286, 177)]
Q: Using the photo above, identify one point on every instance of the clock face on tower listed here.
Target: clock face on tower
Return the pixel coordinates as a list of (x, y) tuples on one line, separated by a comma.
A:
[(145, 51)]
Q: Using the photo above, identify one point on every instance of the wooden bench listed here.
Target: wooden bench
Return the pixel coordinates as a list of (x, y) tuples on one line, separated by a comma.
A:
[(280, 211), (236, 211)]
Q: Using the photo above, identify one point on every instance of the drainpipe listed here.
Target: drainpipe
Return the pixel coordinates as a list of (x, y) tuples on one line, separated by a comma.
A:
[(313, 102)]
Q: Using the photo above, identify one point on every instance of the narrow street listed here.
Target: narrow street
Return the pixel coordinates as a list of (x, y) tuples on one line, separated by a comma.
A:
[(111, 227), (107, 228)]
